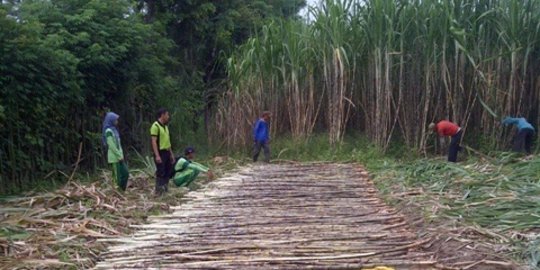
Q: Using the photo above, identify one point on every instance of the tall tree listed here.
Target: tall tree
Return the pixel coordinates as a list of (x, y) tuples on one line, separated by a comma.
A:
[(206, 30), (62, 62)]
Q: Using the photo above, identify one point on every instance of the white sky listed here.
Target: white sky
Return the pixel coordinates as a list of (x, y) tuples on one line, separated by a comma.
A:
[(312, 3)]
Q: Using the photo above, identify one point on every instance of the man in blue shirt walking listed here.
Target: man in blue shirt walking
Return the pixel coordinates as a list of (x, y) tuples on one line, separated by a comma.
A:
[(525, 133), (261, 137)]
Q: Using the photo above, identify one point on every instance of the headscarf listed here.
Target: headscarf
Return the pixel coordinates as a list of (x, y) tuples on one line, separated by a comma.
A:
[(108, 123)]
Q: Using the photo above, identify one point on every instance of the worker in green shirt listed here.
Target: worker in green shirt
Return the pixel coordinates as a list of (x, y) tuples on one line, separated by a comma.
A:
[(161, 148), (186, 170), (115, 155)]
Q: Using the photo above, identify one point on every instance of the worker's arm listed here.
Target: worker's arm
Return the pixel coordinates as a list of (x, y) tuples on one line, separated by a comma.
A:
[(202, 168), (155, 149), (154, 132), (509, 121), (198, 167)]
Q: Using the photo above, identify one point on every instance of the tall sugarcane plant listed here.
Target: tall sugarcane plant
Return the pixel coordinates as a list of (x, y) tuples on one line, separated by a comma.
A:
[(387, 68)]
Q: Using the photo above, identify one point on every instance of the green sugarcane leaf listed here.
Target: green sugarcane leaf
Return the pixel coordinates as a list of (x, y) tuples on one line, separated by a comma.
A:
[(487, 107)]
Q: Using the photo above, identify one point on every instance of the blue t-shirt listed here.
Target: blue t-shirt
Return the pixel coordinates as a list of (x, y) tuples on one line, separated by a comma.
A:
[(521, 123), (260, 131)]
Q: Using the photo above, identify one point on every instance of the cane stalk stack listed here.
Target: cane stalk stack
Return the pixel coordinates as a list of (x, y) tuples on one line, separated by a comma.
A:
[(294, 216)]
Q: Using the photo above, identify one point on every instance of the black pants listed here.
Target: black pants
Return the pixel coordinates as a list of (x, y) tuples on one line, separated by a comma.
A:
[(523, 140), (163, 171), (257, 149), (454, 147)]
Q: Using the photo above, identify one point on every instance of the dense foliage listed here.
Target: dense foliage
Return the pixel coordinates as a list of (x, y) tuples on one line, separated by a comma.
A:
[(63, 63)]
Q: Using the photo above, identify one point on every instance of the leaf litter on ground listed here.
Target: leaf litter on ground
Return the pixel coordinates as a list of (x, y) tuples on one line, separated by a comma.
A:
[(61, 229), (491, 206)]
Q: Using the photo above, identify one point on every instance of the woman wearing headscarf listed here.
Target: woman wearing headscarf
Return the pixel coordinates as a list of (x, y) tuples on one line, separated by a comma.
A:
[(115, 155)]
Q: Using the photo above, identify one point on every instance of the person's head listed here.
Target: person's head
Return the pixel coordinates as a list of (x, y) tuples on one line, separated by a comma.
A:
[(189, 152), (110, 122), (432, 127), (163, 115), (266, 115), (111, 119)]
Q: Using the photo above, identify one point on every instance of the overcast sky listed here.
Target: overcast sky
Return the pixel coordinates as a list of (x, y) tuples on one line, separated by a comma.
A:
[(312, 3)]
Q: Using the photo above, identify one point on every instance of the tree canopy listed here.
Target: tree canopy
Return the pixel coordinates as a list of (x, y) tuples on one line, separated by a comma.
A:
[(63, 63)]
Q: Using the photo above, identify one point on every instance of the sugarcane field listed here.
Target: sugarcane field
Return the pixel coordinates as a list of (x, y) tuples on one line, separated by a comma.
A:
[(270, 134)]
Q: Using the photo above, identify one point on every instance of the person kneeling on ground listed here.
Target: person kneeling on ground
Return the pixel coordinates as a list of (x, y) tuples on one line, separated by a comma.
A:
[(186, 170)]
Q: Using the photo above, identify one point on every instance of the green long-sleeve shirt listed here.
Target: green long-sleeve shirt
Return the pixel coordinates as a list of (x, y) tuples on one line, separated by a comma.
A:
[(114, 149), (190, 165)]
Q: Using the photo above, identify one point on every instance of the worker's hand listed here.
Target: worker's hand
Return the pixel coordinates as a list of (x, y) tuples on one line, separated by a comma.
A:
[(158, 159), (172, 159), (210, 175)]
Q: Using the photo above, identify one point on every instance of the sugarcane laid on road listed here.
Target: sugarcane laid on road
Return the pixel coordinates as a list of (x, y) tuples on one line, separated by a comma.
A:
[(276, 216)]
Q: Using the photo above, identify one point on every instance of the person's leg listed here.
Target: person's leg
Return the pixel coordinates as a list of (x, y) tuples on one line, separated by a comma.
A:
[(185, 178), (192, 176), (452, 153), (528, 141), (256, 150), (519, 141), (123, 173), (266, 149), (114, 172), (181, 179), (454, 147), (161, 174), (166, 159)]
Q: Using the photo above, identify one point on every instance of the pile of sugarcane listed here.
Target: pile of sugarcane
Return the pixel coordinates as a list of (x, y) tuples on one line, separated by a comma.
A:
[(276, 216)]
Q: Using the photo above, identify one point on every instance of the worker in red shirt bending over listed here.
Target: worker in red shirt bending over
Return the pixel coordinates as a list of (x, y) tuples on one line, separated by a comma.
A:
[(447, 128)]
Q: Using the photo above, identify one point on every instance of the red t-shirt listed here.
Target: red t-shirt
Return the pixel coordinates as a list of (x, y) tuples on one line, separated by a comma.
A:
[(447, 128)]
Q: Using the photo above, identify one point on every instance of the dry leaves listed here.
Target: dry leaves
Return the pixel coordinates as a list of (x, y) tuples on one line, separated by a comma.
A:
[(59, 230)]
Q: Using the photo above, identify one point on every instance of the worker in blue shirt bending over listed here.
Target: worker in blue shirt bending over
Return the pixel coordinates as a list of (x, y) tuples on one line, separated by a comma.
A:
[(524, 137), (261, 137)]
